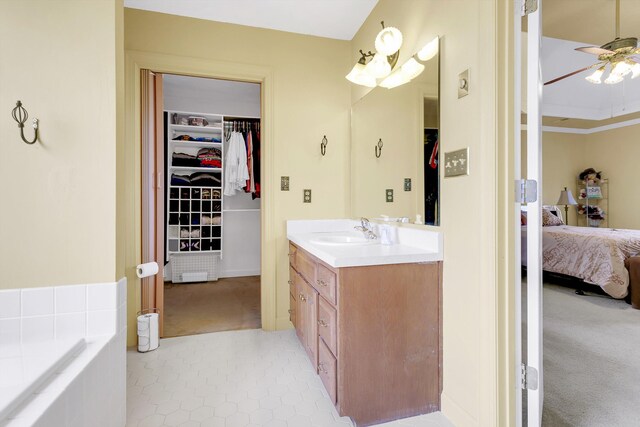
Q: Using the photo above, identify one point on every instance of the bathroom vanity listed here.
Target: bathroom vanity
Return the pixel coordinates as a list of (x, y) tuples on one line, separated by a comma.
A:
[(369, 317)]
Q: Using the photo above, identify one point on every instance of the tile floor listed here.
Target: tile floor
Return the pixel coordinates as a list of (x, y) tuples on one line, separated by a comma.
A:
[(240, 378)]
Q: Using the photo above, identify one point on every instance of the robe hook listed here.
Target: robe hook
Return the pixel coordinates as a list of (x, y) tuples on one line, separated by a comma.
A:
[(323, 145), (20, 115), (378, 148)]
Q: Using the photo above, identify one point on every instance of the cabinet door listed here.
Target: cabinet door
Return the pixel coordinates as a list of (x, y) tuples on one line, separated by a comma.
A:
[(301, 309), (310, 322)]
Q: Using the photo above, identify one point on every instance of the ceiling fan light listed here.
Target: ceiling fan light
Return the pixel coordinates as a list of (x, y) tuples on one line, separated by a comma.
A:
[(613, 78), (596, 77), (359, 76), (621, 68), (429, 50), (378, 67), (388, 41), (635, 70)]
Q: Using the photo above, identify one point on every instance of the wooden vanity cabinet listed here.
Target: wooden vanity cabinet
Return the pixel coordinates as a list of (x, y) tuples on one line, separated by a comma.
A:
[(373, 333)]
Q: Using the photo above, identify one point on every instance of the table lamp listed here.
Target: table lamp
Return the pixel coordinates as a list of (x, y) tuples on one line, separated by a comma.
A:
[(566, 199)]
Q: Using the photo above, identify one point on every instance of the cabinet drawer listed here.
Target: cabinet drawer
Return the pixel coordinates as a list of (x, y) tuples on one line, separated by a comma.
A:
[(328, 325), (292, 309), (326, 283), (327, 369), (306, 266), (292, 281)]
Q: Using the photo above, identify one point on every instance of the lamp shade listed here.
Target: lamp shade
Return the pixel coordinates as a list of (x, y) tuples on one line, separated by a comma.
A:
[(388, 41), (378, 67), (359, 76), (566, 198), (395, 79), (429, 50)]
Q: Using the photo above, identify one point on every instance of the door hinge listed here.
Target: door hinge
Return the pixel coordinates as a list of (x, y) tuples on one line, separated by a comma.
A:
[(526, 190), (529, 377), (527, 7)]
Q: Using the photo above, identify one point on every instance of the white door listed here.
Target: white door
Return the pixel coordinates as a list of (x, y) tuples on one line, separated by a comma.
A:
[(529, 357)]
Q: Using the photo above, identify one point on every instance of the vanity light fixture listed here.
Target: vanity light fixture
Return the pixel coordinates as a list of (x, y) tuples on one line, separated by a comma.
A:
[(379, 71)]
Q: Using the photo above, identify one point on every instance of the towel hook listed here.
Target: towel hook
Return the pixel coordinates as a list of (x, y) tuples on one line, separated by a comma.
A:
[(378, 148), (323, 145), (20, 115)]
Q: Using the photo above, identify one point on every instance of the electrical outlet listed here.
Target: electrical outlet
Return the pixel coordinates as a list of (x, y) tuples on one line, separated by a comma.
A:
[(407, 184), (389, 195), (284, 183), (306, 193), (456, 163)]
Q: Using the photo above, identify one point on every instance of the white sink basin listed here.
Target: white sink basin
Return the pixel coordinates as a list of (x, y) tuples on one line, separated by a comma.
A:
[(342, 240)]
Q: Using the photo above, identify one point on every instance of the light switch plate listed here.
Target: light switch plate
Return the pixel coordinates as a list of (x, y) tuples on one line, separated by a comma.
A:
[(389, 195), (456, 163), (284, 183), (407, 184), (306, 195), (463, 84)]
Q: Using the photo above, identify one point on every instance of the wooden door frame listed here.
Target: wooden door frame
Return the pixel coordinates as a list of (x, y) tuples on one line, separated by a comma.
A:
[(197, 67)]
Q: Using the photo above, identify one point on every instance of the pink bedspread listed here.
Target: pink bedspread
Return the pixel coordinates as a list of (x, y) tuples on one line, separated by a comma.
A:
[(595, 255)]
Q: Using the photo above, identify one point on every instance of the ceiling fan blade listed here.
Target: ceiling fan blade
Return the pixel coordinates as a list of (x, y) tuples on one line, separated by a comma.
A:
[(593, 50), (573, 73)]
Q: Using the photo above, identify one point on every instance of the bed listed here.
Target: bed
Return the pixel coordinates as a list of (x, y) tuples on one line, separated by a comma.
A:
[(594, 255)]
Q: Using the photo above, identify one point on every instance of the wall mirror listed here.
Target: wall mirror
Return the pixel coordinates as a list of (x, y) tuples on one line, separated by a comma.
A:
[(407, 120)]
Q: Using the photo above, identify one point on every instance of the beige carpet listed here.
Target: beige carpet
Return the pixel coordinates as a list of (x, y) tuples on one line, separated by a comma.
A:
[(225, 305)]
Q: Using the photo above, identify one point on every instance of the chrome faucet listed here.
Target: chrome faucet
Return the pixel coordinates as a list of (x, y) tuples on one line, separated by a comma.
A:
[(367, 230)]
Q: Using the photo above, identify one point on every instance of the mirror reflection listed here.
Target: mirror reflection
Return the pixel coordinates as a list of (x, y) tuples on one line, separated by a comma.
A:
[(403, 182)]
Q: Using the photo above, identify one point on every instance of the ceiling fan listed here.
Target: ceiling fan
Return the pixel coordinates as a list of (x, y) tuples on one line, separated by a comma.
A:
[(620, 56)]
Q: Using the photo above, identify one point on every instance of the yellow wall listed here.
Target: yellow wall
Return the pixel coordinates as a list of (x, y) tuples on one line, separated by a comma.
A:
[(57, 223), (468, 203), (563, 158), (616, 153), (311, 99)]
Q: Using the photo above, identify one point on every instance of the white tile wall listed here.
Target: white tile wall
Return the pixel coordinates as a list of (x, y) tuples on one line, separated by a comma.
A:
[(36, 329), (37, 302), (10, 303), (102, 296), (71, 299)]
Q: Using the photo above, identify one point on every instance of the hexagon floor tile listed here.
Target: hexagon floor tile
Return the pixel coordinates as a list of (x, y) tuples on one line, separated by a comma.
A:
[(239, 378)]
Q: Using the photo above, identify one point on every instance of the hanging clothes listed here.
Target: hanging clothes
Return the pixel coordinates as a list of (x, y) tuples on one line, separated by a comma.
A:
[(249, 186), (236, 171), (256, 162)]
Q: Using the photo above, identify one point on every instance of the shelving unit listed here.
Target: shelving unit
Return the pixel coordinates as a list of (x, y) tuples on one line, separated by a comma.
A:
[(194, 212), (593, 193)]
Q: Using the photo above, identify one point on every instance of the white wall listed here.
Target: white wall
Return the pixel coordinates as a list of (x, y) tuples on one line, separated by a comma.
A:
[(241, 229)]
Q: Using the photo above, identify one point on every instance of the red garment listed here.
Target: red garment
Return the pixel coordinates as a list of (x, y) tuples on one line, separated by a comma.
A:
[(433, 159), (249, 186)]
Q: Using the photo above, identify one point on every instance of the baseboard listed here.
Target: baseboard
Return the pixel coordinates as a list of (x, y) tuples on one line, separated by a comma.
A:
[(238, 273)]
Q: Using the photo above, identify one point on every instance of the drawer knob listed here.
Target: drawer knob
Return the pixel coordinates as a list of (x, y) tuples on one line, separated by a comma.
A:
[(321, 282), (290, 282), (322, 369), (291, 311), (302, 298), (321, 322)]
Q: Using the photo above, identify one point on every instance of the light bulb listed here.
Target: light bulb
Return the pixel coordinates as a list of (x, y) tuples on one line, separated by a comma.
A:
[(635, 70), (429, 50), (359, 76), (378, 67), (412, 68), (596, 77), (388, 41), (395, 79)]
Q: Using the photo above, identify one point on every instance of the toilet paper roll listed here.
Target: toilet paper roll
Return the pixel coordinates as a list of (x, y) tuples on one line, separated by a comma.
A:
[(147, 269)]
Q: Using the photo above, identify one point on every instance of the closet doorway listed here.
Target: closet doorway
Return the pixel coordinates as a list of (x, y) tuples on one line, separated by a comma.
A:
[(209, 140)]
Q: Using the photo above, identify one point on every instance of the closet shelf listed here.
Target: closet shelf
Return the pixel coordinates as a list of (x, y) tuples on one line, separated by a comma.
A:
[(196, 144), (199, 129), (197, 169)]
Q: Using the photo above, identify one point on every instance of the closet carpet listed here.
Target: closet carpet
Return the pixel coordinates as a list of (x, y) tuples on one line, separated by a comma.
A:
[(591, 360), (225, 305)]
